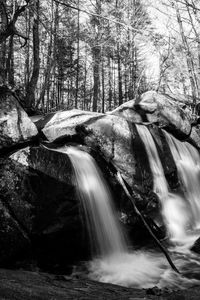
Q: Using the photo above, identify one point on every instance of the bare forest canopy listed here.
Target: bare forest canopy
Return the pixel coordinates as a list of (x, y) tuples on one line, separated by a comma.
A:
[(97, 54)]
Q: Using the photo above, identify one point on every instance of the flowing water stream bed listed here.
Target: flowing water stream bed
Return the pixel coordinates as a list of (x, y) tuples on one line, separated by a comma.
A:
[(113, 261), (144, 269)]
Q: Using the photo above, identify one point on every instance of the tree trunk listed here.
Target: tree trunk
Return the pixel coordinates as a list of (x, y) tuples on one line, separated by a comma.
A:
[(103, 85), (47, 74), (10, 63), (48, 68), (114, 83), (27, 49), (85, 80), (96, 71), (119, 75), (31, 87), (3, 25), (110, 93), (96, 52), (78, 54), (53, 74)]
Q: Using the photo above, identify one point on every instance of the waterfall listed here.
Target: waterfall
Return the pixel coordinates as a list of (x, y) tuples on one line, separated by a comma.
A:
[(97, 204), (174, 210), (187, 160), (115, 262), (160, 186)]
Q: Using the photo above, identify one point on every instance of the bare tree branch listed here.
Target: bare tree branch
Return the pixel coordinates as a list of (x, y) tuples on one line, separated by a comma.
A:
[(2, 4), (10, 28), (189, 4), (99, 16)]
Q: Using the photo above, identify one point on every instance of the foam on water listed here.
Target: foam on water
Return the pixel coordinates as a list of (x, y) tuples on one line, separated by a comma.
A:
[(106, 233), (138, 269), (185, 211), (142, 269), (115, 262)]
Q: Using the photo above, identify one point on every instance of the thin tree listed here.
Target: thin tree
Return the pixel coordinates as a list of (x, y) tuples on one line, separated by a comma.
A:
[(32, 84), (190, 63), (78, 55)]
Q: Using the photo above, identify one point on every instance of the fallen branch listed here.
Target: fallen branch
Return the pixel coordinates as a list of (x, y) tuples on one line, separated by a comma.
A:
[(163, 249)]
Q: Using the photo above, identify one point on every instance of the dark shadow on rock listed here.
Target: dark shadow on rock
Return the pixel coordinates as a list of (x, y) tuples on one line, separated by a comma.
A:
[(165, 155)]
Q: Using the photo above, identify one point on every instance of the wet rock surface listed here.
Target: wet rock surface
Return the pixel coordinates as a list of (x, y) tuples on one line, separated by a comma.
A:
[(37, 186), (196, 246), (26, 285), (41, 218), (39, 210)]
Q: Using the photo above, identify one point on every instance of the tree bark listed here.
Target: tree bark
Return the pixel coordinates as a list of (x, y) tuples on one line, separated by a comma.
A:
[(10, 63), (78, 54), (119, 75), (3, 25), (96, 52), (32, 84), (110, 80), (96, 74), (103, 85)]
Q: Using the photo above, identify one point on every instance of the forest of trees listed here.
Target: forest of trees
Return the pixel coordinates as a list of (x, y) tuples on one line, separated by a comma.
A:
[(97, 54)]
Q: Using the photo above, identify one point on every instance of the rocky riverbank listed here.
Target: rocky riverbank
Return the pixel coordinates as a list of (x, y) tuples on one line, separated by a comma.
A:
[(40, 214), (26, 285)]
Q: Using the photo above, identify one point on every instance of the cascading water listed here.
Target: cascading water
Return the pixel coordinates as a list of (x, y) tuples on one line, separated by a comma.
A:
[(178, 213), (173, 206), (160, 184), (187, 211), (115, 263), (97, 203)]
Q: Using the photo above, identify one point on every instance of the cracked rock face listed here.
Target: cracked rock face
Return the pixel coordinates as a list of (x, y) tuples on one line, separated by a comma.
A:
[(15, 125)]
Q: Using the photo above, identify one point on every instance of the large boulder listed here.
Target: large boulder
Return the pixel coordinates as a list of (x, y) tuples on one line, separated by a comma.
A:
[(37, 189), (157, 108), (15, 125), (16, 210), (107, 133), (115, 139), (39, 209), (63, 123), (14, 240), (128, 111), (167, 114)]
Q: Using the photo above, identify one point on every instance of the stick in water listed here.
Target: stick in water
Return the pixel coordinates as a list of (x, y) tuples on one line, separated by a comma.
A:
[(122, 182)]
